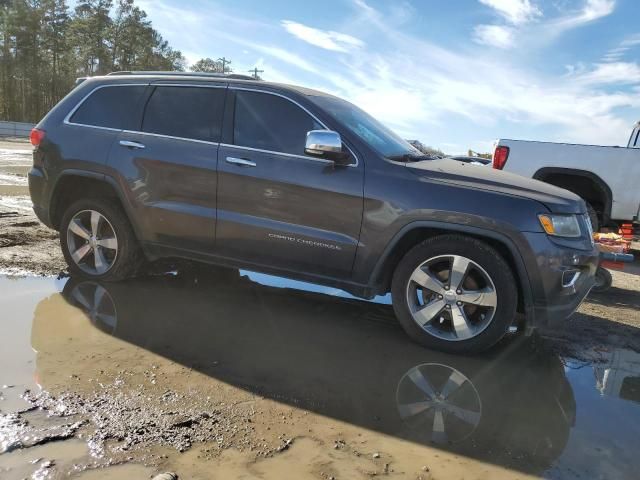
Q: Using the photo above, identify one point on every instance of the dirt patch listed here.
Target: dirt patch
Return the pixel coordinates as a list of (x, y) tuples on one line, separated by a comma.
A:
[(129, 418), (26, 245), (610, 318)]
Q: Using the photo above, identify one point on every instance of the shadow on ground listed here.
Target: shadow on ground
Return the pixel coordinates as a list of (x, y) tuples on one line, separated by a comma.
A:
[(341, 358)]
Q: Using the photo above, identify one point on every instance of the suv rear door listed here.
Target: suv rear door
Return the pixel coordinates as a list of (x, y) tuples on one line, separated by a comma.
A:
[(167, 166), (278, 206)]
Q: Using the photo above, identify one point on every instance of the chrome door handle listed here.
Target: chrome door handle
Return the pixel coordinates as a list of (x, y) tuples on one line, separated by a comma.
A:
[(127, 143), (240, 161)]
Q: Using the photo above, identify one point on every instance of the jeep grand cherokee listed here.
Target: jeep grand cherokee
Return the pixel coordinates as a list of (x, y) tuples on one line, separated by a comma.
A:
[(298, 183)]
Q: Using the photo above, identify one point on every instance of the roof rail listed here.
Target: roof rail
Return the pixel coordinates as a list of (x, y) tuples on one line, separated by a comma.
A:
[(235, 76)]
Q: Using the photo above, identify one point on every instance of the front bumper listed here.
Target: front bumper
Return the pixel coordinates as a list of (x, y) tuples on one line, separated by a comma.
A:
[(565, 277)]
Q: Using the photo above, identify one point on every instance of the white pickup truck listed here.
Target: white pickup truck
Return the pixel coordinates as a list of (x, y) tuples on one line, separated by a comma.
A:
[(607, 178)]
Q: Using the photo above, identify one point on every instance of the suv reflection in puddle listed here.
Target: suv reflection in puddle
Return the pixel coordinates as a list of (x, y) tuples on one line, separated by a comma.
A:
[(309, 350)]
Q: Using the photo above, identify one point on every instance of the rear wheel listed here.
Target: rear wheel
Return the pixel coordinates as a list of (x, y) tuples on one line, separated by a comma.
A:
[(98, 241), (454, 293)]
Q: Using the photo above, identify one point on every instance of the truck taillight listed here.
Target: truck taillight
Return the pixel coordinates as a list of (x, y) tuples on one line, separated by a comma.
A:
[(500, 157), (36, 136)]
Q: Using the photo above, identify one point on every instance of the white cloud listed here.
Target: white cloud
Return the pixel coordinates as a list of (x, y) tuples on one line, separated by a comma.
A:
[(284, 55), (631, 41), (591, 10), (517, 13), (483, 89), (494, 35), (595, 9), (616, 54), (274, 51), (524, 23), (329, 40), (619, 73), (514, 11)]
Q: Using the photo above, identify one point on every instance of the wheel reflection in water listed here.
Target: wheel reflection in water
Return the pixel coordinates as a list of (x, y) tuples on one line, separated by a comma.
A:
[(439, 403)]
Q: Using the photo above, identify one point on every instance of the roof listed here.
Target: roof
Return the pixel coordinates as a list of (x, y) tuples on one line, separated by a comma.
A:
[(210, 76), (236, 76)]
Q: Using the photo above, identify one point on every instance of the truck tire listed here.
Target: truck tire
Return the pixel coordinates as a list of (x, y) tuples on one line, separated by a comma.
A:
[(455, 294), (98, 242)]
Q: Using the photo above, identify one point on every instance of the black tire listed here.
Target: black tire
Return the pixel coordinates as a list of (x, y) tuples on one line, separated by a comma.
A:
[(129, 258), (483, 255), (593, 215), (604, 280)]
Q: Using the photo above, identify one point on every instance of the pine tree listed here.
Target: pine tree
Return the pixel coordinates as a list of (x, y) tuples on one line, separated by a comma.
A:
[(44, 46)]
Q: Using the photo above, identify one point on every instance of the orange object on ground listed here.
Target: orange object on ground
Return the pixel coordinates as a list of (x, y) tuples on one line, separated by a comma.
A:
[(609, 265), (626, 230)]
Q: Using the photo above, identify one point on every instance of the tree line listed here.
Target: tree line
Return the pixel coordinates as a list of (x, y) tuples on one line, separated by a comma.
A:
[(45, 45)]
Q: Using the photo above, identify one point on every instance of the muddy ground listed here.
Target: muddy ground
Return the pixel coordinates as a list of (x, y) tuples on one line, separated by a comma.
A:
[(223, 374)]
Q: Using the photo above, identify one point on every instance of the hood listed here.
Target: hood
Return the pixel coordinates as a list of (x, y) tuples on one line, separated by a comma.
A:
[(556, 199)]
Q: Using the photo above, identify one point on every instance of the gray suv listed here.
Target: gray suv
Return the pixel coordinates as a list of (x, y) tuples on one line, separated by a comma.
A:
[(290, 181)]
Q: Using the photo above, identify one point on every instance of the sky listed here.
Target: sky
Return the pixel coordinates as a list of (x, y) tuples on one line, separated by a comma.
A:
[(455, 74)]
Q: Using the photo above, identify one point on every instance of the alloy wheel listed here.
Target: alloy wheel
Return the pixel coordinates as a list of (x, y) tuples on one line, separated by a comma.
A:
[(451, 297), (92, 242)]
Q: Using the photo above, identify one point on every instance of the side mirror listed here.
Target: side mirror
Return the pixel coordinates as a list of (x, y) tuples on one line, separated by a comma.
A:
[(326, 144)]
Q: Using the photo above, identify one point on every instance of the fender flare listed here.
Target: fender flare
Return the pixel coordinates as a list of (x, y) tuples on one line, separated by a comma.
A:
[(95, 176), (598, 182), (521, 269)]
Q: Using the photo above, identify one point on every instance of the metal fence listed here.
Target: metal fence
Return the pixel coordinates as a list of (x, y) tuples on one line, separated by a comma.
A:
[(15, 129)]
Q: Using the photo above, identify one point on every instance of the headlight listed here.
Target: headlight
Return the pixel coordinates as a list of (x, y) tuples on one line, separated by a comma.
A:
[(560, 225)]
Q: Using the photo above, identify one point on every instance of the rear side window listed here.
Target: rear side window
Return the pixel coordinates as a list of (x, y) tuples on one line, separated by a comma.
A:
[(269, 122), (187, 112), (112, 107)]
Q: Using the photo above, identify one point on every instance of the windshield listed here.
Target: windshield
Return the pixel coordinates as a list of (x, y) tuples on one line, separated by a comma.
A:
[(367, 128)]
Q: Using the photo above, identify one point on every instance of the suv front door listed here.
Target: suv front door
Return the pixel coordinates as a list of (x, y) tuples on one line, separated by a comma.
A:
[(277, 206)]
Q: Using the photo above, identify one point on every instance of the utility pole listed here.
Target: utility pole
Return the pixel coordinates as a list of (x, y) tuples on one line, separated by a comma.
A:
[(254, 71), (225, 62)]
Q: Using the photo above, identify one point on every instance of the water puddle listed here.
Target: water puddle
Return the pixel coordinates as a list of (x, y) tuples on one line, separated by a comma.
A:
[(260, 379)]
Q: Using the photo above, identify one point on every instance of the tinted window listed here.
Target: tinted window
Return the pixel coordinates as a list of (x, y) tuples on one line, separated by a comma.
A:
[(188, 112), (271, 123), (113, 107)]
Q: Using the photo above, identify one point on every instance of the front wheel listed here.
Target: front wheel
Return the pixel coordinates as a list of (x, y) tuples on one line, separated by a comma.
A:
[(98, 242), (454, 293)]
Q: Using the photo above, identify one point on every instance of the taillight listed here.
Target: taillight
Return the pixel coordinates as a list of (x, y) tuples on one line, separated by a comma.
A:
[(500, 157), (36, 136)]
